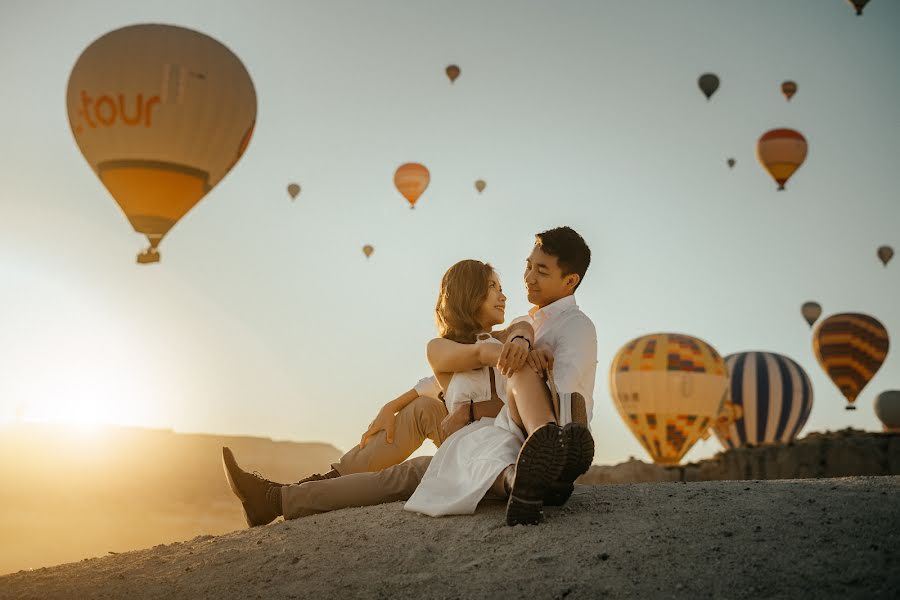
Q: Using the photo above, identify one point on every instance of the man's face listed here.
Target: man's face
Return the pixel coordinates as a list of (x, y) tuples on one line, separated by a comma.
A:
[(544, 280)]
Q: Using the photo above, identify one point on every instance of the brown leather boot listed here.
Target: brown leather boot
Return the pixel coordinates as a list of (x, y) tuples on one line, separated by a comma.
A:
[(579, 454), (252, 490)]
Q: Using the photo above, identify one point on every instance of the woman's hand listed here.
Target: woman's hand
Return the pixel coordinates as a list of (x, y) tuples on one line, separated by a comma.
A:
[(513, 355), (386, 420), (455, 421)]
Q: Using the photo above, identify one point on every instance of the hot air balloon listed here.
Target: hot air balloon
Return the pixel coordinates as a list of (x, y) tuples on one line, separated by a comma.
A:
[(887, 409), (452, 72), (771, 396), (368, 250), (708, 83), (668, 388), (161, 114), (731, 162), (789, 88), (885, 254), (851, 347), (811, 311), (781, 152), (411, 180), (858, 5), (293, 190), (480, 185)]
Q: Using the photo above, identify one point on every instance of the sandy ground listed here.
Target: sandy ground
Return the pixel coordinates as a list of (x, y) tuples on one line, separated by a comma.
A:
[(731, 539)]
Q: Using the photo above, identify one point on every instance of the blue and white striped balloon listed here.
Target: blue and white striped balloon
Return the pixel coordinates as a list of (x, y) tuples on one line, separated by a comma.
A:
[(772, 395)]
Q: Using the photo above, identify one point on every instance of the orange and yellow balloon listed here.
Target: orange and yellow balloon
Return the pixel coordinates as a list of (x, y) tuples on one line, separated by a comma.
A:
[(453, 72), (781, 152), (161, 114), (851, 347), (669, 389), (411, 180), (368, 250), (480, 185), (293, 190), (789, 88)]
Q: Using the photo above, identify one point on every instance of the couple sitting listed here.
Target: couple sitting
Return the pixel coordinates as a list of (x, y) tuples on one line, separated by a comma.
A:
[(512, 419)]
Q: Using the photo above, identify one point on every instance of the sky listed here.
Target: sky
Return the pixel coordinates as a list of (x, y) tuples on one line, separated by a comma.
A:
[(264, 317)]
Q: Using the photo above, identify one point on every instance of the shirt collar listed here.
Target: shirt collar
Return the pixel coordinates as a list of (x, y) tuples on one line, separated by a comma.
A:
[(554, 309)]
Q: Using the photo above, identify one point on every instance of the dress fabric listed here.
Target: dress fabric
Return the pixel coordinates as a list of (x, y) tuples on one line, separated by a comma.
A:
[(467, 463)]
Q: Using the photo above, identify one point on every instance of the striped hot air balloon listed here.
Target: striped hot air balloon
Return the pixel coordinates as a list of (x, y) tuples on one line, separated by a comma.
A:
[(887, 409), (773, 397), (851, 347), (781, 152), (411, 179), (668, 388)]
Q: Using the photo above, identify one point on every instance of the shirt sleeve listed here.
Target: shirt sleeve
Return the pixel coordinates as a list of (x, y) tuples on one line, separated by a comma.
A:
[(575, 358), (428, 386)]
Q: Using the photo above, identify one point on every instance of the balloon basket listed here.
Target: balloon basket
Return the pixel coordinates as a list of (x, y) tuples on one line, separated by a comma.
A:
[(148, 257), (849, 407)]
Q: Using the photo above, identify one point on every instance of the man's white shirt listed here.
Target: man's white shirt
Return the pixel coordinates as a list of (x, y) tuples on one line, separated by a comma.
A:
[(569, 334)]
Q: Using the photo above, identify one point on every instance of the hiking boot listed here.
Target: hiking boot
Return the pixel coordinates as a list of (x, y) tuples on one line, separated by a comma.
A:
[(540, 462), (579, 455), (260, 508)]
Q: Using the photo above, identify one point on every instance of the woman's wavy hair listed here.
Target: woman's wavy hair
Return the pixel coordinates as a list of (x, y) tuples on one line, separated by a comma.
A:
[(464, 289)]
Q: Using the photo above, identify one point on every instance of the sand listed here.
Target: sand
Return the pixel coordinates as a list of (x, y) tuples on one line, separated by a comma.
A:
[(723, 539)]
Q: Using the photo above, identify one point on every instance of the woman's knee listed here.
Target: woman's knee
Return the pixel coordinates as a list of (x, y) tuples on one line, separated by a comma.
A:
[(522, 380)]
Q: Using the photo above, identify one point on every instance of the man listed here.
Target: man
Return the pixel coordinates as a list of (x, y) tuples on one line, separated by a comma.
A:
[(565, 344)]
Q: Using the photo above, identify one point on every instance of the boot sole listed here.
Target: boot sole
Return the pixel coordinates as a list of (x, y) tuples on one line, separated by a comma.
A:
[(579, 456), (540, 462)]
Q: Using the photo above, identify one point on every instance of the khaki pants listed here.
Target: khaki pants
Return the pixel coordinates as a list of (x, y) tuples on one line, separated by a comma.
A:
[(375, 474)]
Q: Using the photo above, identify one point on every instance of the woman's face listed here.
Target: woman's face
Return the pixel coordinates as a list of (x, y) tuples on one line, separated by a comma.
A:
[(493, 310)]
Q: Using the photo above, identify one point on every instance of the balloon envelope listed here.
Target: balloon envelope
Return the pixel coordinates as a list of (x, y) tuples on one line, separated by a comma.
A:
[(480, 185), (885, 254), (887, 409), (161, 114), (452, 72), (708, 83), (773, 395), (368, 250), (731, 162), (411, 180), (781, 152), (851, 347), (858, 5), (668, 388), (293, 190), (811, 311), (789, 88)]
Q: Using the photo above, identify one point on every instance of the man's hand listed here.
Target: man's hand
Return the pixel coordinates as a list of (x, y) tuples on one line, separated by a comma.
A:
[(513, 356), (384, 420), (541, 360), (455, 421)]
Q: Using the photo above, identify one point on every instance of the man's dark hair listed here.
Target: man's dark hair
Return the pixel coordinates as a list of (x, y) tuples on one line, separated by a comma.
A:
[(569, 248)]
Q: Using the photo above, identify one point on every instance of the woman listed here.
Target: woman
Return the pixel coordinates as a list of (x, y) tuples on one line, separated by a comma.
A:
[(480, 457)]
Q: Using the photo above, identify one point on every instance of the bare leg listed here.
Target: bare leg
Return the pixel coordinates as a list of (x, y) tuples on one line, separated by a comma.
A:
[(529, 401)]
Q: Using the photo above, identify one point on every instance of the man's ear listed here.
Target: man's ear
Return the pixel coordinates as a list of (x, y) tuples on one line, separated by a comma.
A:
[(573, 279)]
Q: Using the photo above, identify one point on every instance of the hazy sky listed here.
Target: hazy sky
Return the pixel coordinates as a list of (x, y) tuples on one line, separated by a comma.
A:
[(264, 317)]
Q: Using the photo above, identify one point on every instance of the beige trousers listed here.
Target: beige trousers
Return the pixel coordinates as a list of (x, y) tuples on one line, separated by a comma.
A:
[(375, 474)]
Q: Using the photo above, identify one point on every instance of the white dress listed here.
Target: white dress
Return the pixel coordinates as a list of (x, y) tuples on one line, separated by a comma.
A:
[(467, 463)]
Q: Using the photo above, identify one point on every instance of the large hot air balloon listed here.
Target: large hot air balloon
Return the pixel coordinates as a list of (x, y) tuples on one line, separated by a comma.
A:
[(668, 388), (851, 347), (161, 113), (368, 250), (887, 409), (781, 152), (811, 311), (885, 254), (293, 190), (708, 83), (789, 88), (452, 72), (731, 162), (480, 185), (772, 396), (411, 180), (858, 5)]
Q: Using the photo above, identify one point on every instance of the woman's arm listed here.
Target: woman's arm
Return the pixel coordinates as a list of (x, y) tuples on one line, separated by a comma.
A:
[(446, 356)]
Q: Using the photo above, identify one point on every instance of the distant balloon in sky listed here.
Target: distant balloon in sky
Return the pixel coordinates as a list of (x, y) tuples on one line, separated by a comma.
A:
[(789, 88), (885, 254), (858, 5), (162, 114), (781, 152), (811, 311), (731, 162), (708, 83), (887, 409), (773, 397), (480, 185), (851, 347), (293, 190), (411, 180), (668, 388), (368, 250), (452, 72)]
